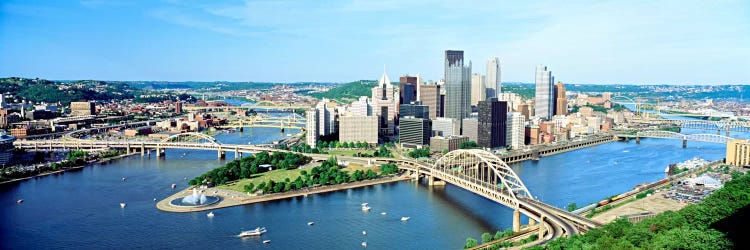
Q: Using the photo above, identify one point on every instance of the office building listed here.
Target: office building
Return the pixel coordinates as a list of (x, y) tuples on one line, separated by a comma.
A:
[(561, 101), (326, 117), (407, 89), (457, 86), (178, 107), (738, 153), (492, 123), (414, 109), (478, 89), (82, 108), (361, 107), (414, 132), (444, 126), (358, 129), (544, 103), (450, 143), (429, 95), (385, 101), (516, 129), (471, 128), (311, 115), (514, 100), (494, 86)]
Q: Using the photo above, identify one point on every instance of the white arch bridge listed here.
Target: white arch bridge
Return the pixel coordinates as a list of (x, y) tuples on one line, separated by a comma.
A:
[(711, 138), (477, 171)]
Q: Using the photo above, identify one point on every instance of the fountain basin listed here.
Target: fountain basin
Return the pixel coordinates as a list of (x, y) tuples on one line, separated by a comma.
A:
[(210, 200)]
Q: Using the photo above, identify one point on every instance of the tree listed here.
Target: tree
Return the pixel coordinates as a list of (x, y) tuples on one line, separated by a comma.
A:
[(468, 145), (498, 235), (571, 206), (371, 174), (470, 242), (250, 187), (486, 237)]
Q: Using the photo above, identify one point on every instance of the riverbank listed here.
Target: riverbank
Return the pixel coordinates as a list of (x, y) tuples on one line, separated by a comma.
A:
[(68, 169), (233, 198), (629, 204)]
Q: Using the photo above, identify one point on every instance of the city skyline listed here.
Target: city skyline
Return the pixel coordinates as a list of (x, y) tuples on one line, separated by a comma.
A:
[(592, 42)]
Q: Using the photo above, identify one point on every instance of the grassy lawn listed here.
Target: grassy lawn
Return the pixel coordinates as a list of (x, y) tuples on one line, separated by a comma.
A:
[(280, 175)]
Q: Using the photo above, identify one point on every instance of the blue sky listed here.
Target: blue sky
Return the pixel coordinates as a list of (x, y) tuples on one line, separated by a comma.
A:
[(639, 42)]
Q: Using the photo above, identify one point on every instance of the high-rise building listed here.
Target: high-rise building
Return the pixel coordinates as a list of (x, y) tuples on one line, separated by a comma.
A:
[(358, 129), (407, 89), (513, 99), (738, 153), (414, 109), (492, 123), (385, 100), (414, 131), (326, 117), (178, 107), (516, 128), (471, 128), (494, 86), (82, 108), (429, 95), (457, 86), (544, 103), (478, 89), (312, 127), (561, 101), (2, 101), (361, 107)]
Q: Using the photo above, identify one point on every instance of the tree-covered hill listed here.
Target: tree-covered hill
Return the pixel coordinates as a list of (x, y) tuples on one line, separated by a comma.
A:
[(349, 91), (41, 90)]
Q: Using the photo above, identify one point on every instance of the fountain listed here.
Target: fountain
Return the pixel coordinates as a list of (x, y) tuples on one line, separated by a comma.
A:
[(195, 200)]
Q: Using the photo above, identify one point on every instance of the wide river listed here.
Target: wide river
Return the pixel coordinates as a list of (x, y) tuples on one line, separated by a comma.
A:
[(80, 209)]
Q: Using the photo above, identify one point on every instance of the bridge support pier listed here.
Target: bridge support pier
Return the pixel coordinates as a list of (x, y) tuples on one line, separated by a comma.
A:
[(516, 220), (637, 140), (237, 154), (684, 143), (143, 150), (159, 152), (242, 129), (221, 154), (718, 132), (532, 222), (542, 228), (432, 181), (127, 149), (727, 133)]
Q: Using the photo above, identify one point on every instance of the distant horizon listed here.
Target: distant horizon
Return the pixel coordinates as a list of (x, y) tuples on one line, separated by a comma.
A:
[(668, 42), (392, 81)]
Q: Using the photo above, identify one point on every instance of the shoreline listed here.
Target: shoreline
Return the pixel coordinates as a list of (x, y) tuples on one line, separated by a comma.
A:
[(88, 164), (233, 198)]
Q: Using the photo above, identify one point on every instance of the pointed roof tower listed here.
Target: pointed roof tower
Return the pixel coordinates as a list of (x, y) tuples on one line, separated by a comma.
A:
[(384, 78)]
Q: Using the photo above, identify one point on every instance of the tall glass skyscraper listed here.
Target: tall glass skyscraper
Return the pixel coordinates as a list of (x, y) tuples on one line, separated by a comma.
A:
[(544, 105), (457, 85), (492, 80)]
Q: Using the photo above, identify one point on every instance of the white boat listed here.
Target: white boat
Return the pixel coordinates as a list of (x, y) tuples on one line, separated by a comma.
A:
[(19, 201), (310, 223), (266, 241), (365, 208), (364, 233), (255, 232), (405, 218), (174, 185), (122, 205), (666, 170), (210, 215), (383, 213), (364, 244), (123, 178), (154, 199), (365, 204)]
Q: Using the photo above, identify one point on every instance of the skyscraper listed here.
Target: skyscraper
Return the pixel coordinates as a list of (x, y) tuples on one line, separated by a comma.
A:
[(492, 123), (429, 95), (516, 129), (415, 131), (478, 89), (312, 127), (457, 86), (407, 89), (543, 102), (561, 101), (385, 100), (493, 77)]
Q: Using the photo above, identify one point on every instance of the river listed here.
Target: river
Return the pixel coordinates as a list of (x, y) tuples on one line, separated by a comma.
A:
[(80, 209)]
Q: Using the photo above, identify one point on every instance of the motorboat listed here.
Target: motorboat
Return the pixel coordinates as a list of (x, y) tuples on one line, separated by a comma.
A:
[(365, 208), (364, 232), (19, 201), (266, 241), (364, 244), (255, 232), (174, 185), (154, 199), (405, 218), (210, 215), (123, 178), (383, 213), (122, 205), (365, 204), (310, 223)]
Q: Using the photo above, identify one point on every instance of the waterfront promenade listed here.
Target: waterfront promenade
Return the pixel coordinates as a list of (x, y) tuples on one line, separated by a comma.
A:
[(231, 198)]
